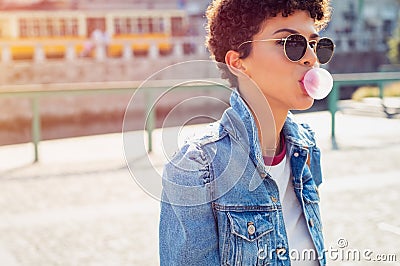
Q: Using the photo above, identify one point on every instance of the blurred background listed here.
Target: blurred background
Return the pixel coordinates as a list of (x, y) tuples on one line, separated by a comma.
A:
[(56, 41), (68, 69)]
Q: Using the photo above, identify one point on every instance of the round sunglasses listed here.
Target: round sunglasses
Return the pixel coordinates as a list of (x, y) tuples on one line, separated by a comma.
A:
[(295, 47)]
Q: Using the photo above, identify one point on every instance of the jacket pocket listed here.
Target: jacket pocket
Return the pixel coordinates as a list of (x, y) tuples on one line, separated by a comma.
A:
[(248, 237), (249, 226)]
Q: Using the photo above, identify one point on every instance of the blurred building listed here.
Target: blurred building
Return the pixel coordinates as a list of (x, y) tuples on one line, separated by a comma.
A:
[(192, 6), (361, 25), (361, 30), (33, 4), (195, 6)]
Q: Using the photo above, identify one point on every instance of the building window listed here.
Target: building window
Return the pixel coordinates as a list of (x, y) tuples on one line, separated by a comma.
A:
[(48, 27), (177, 26), (157, 25)]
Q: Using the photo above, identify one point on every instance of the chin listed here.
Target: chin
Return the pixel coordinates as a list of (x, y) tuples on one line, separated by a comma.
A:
[(304, 105)]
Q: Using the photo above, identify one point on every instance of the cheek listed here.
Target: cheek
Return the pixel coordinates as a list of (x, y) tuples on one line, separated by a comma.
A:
[(276, 74), (263, 65), (275, 63), (269, 69)]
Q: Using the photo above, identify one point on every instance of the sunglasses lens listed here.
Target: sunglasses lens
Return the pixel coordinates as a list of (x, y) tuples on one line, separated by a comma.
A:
[(295, 47), (325, 49)]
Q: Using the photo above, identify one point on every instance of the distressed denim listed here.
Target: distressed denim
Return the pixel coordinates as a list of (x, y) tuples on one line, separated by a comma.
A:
[(220, 206)]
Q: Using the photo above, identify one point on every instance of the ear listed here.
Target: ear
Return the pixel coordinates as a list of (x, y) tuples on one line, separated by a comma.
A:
[(235, 63)]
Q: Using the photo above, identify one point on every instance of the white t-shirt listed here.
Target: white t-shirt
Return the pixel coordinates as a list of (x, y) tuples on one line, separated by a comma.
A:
[(299, 238)]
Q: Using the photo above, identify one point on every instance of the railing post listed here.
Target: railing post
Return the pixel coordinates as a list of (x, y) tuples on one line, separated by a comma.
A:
[(36, 127), (332, 104), (150, 117), (100, 51), (39, 53), (201, 50), (178, 49), (127, 51), (70, 53), (381, 85), (381, 90), (153, 51), (6, 54)]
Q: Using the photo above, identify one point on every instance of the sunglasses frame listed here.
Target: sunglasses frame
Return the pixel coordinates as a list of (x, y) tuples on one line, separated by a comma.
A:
[(307, 41)]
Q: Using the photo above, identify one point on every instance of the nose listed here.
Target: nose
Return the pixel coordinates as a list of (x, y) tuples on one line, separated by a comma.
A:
[(310, 57)]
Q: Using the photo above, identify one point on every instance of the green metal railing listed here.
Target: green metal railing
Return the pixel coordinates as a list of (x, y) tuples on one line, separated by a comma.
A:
[(153, 89), (378, 78), (151, 92), (37, 91)]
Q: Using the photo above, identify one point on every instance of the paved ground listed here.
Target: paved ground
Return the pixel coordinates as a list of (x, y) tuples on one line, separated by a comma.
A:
[(80, 205)]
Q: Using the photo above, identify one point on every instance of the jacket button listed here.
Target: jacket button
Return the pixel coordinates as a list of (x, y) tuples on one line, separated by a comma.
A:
[(296, 154), (263, 175), (311, 222), (251, 228), (274, 199)]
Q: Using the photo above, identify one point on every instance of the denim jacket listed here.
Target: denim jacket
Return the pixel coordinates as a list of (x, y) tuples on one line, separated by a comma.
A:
[(220, 206)]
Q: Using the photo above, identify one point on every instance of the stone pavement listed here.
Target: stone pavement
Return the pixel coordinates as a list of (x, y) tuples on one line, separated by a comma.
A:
[(80, 205)]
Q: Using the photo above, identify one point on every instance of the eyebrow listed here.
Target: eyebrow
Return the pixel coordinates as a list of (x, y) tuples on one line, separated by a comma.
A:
[(314, 35)]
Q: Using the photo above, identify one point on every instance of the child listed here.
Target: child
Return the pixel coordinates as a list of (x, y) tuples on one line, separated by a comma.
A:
[(246, 192)]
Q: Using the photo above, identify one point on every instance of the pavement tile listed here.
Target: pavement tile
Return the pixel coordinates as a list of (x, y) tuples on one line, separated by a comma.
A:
[(80, 205)]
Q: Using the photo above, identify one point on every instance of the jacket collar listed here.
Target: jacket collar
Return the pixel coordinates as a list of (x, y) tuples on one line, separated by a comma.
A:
[(239, 122)]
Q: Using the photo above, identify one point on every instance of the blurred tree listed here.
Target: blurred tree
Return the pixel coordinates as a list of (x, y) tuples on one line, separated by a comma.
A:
[(394, 45)]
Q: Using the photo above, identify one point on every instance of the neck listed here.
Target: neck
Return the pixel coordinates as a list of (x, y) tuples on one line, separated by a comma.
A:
[(270, 143), (269, 124), (269, 117)]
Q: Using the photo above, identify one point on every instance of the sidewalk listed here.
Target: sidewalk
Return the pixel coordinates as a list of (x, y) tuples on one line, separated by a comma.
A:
[(80, 206)]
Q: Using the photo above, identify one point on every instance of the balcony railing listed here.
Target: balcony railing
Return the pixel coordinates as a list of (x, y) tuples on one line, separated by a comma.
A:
[(180, 47)]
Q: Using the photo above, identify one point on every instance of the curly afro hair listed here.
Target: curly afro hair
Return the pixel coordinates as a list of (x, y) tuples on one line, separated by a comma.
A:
[(232, 22)]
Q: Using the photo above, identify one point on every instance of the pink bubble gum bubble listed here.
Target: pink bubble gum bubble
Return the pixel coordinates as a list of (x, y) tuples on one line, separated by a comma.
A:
[(318, 83)]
